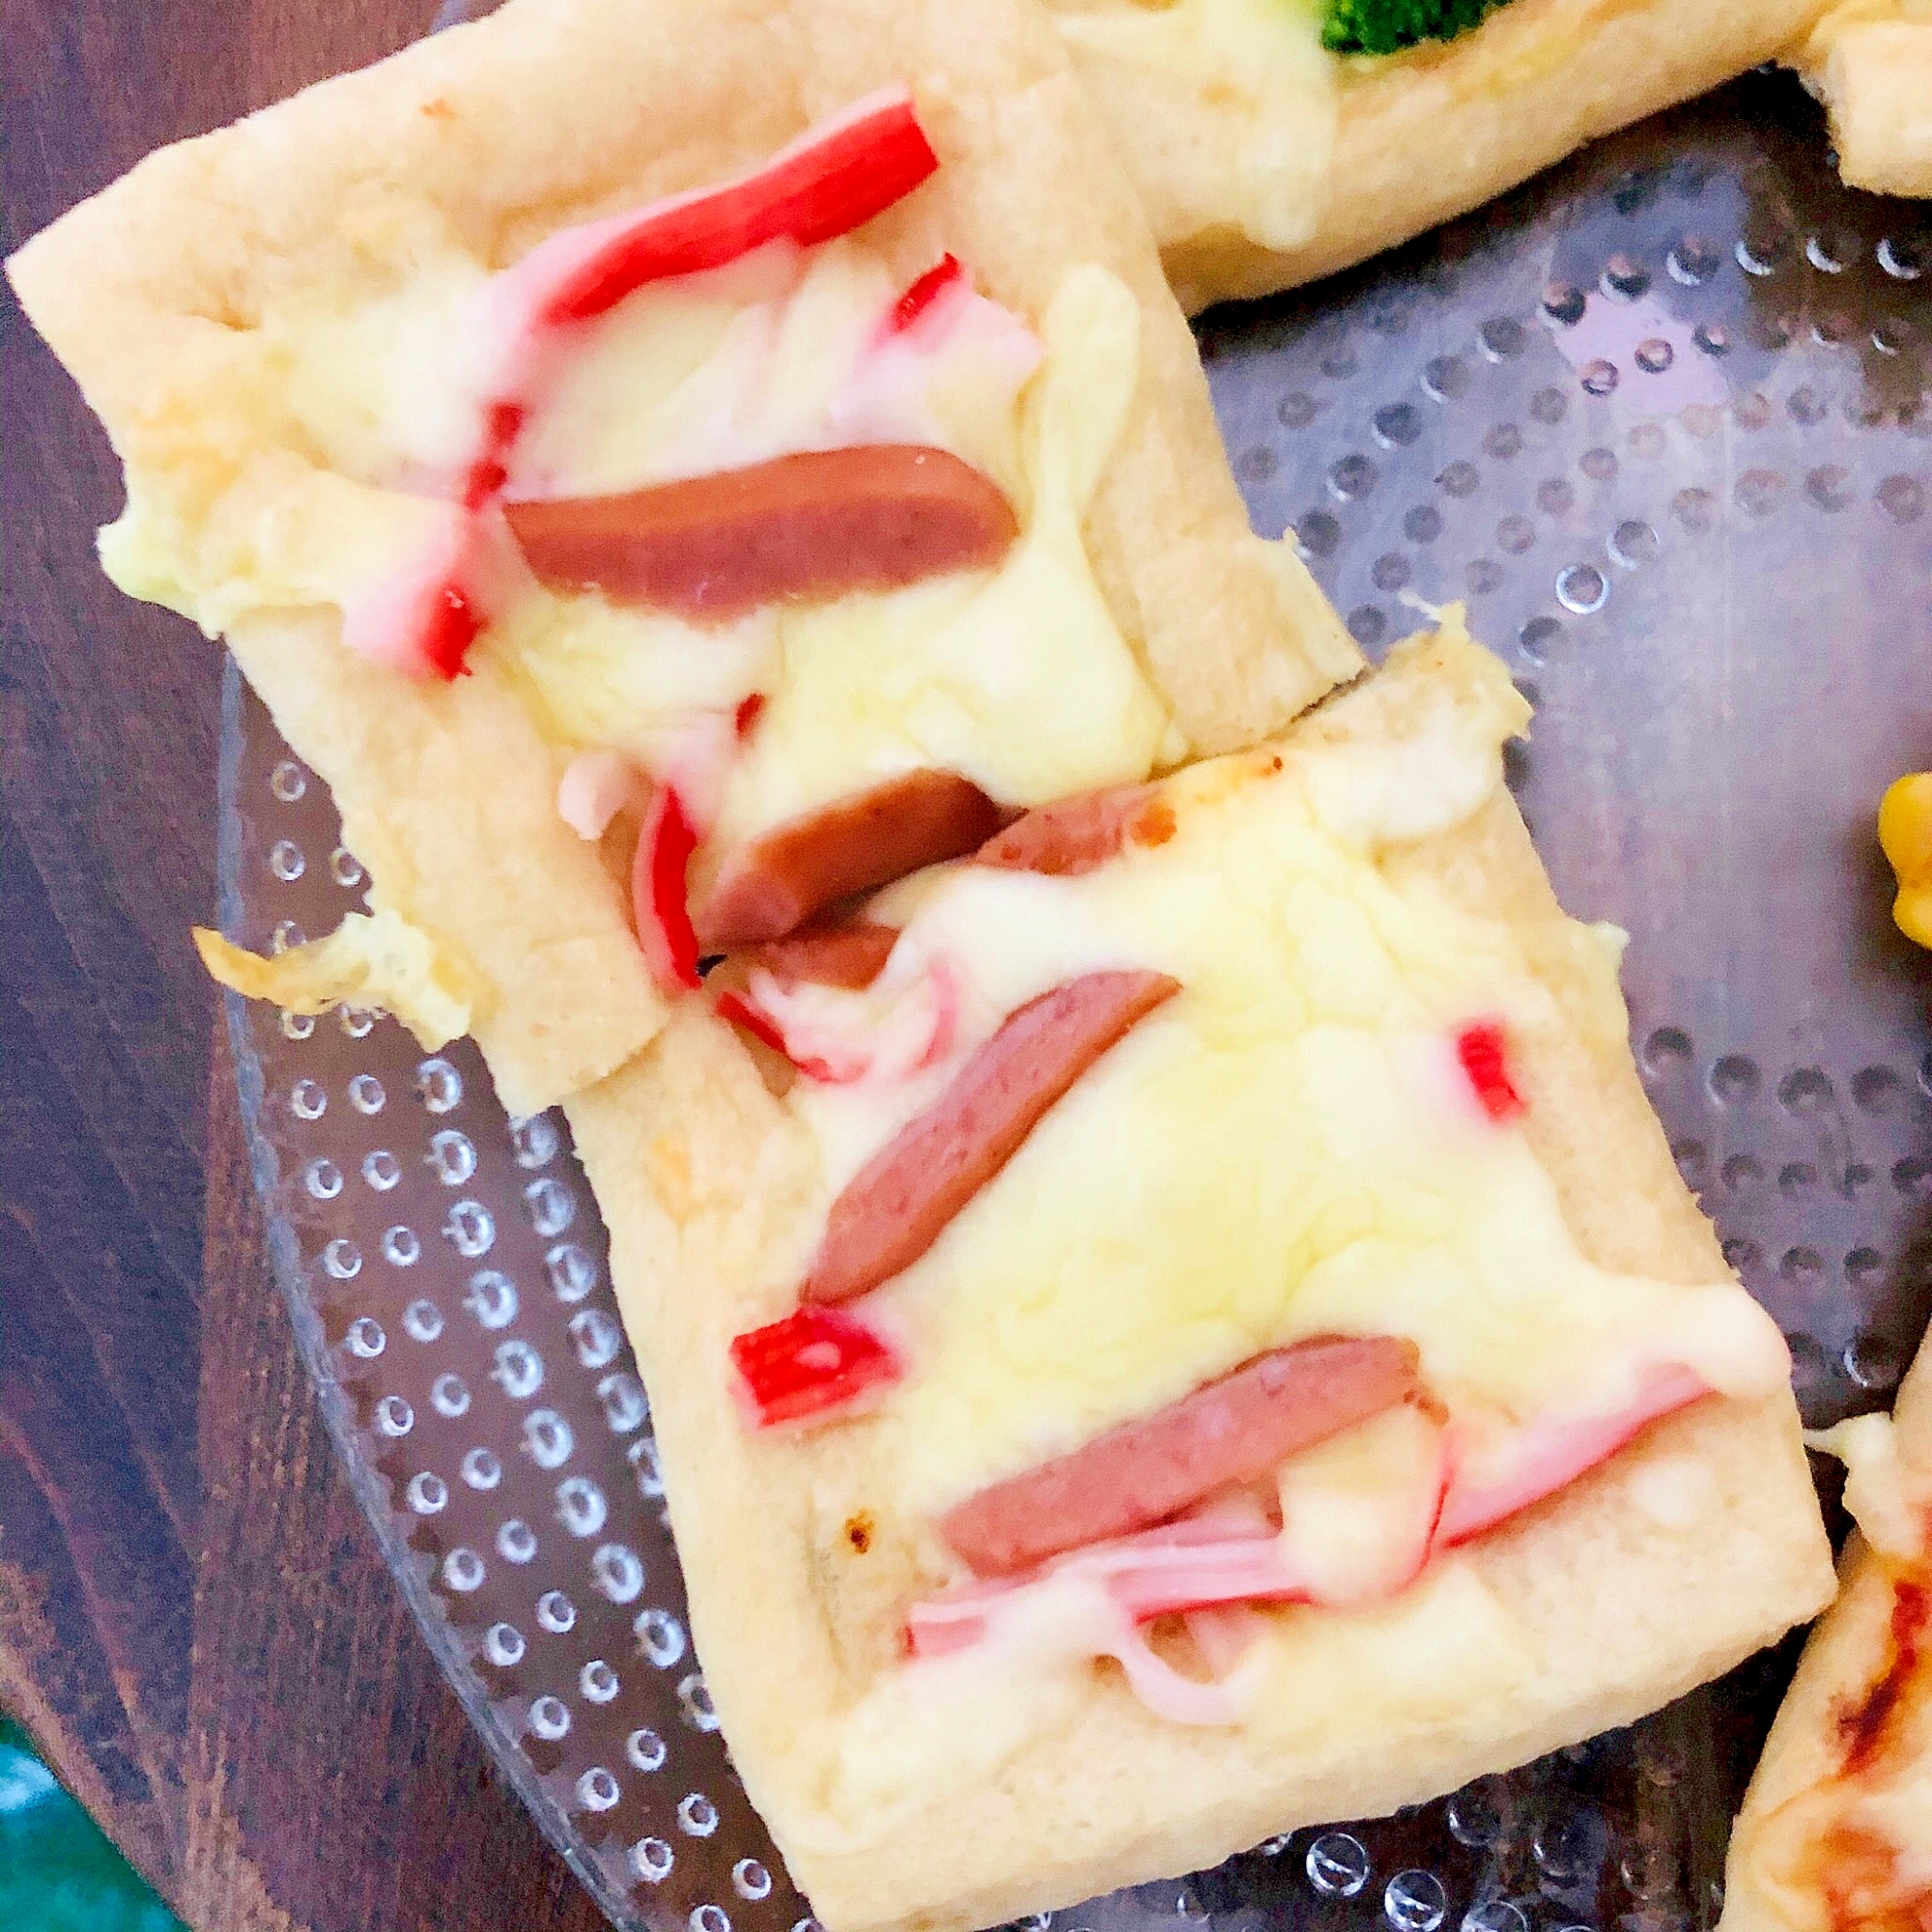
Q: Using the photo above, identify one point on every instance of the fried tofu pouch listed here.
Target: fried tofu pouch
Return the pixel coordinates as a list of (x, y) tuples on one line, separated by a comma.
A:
[(1265, 161), (1870, 63), (1663, 1567), (484, 140), (1819, 1844)]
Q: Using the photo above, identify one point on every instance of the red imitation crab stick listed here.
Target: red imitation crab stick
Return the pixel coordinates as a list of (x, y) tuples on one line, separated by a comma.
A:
[(664, 848), (908, 1027), (833, 179), (813, 1361), (925, 293), (1547, 1452)]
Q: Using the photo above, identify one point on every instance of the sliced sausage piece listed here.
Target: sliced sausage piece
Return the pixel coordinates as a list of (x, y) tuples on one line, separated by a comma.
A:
[(851, 955), (775, 882), (897, 1204), (1075, 835), (1237, 1430), (811, 527)]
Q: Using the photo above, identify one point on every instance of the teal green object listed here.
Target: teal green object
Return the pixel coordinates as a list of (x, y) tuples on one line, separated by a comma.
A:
[(1387, 26), (58, 1870)]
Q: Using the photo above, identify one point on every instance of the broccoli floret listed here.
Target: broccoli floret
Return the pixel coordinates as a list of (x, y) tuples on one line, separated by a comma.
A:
[(1386, 26)]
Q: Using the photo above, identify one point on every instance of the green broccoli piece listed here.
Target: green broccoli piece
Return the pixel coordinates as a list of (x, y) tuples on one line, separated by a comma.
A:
[(1386, 26)]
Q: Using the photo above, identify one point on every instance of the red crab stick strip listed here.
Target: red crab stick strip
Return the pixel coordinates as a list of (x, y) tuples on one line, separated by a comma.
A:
[(814, 1360), (810, 526), (1549, 1453), (831, 180), (924, 294), (899, 1203), (1483, 1049), (665, 846), (1075, 835), (1237, 1430), (776, 881)]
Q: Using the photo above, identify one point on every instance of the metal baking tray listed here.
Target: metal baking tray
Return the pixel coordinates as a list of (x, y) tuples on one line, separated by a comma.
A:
[(1661, 419)]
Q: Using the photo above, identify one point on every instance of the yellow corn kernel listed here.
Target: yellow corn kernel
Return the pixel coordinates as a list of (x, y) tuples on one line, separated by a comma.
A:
[(1905, 830)]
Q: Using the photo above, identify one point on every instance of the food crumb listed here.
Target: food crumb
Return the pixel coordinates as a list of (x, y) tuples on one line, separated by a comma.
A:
[(859, 1531)]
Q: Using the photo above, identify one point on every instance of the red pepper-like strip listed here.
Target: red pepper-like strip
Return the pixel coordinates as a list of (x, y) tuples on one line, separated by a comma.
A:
[(664, 848), (755, 1021), (450, 627), (811, 1361), (924, 291), (833, 179), (748, 712), (1483, 1048)]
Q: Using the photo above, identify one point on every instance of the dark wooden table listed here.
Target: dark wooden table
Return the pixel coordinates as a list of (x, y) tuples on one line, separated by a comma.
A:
[(194, 1621)]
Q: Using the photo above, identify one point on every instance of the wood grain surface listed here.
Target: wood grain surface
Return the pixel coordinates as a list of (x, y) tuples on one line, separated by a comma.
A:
[(194, 1621)]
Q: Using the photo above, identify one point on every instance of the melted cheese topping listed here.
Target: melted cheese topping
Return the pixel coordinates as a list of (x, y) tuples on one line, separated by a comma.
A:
[(772, 355), (1226, 109), (1288, 1148)]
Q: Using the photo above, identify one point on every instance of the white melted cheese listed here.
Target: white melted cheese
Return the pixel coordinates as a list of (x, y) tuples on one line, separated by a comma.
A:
[(1227, 108), (1287, 1148), (716, 371)]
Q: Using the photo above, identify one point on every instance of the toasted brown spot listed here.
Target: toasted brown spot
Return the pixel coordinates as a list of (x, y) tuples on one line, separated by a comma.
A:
[(1866, 1723), (438, 110), (859, 1531), (1865, 1890)]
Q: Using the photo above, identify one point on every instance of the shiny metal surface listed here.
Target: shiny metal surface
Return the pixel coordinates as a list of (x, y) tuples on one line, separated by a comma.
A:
[(1662, 420)]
